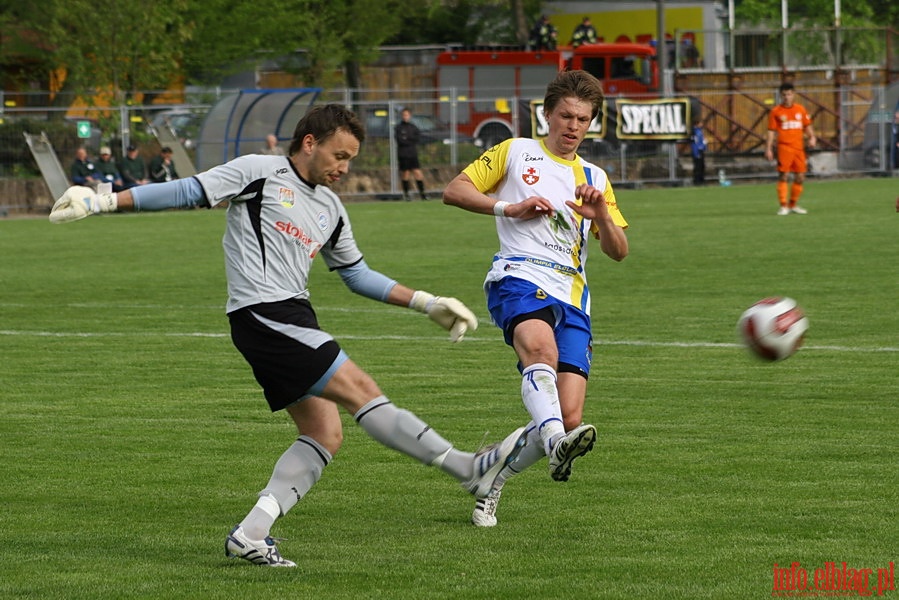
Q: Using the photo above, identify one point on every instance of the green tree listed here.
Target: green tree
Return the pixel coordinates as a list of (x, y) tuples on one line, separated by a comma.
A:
[(21, 58), (314, 39), (468, 22), (816, 39), (861, 13), (123, 47)]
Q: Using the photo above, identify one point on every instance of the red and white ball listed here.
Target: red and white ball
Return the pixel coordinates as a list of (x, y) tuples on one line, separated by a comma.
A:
[(773, 328)]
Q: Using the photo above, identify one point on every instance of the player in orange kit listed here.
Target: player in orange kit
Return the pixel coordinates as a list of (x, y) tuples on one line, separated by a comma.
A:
[(788, 122)]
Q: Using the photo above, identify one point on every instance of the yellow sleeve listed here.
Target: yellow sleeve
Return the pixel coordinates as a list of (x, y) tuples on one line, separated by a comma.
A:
[(612, 204), (490, 169)]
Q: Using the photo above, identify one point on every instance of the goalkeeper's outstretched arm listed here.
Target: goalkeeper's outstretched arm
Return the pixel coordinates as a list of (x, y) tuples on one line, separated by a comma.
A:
[(449, 313), (78, 202)]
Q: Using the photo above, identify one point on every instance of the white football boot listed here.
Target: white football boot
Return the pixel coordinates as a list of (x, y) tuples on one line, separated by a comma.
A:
[(490, 460), (259, 552), (484, 514)]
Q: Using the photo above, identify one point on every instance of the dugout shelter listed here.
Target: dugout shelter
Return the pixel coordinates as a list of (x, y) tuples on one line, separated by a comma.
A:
[(239, 123)]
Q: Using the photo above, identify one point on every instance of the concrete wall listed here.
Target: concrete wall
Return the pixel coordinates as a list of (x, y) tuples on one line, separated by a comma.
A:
[(21, 197)]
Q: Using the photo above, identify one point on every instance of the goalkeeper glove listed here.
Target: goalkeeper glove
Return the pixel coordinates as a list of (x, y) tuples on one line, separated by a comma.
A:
[(79, 202), (449, 313)]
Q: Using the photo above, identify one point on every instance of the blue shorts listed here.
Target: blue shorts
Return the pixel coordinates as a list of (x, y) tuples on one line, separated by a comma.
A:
[(511, 297)]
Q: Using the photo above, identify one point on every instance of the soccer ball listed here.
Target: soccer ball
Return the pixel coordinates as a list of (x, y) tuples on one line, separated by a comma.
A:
[(773, 328)]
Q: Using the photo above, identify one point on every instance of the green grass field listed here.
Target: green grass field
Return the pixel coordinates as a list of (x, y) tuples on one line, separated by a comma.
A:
[(133, 435)]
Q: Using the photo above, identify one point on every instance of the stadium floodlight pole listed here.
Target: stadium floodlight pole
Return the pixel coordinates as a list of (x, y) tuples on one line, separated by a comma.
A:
[(731, 21), (784, 23), (838, 56), (662, 49)]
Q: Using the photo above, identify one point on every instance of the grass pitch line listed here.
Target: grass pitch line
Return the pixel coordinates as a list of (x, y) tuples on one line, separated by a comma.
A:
[(646, 343)]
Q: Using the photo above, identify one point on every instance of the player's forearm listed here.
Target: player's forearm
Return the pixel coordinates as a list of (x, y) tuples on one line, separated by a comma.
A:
[(810, 132), (400, 295), (612, 240), (180, 193), (369, 283), (461, 192), (124, 201)]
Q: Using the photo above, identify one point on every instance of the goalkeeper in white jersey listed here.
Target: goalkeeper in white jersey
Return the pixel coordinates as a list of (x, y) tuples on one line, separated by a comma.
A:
[(281, 215), (547, 202)]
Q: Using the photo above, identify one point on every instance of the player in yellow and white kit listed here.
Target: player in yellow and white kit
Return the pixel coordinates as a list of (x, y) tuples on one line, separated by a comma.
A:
[(547, 202)]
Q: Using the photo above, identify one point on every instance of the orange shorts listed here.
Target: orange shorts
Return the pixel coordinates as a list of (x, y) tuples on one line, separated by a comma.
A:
[(790, 160)]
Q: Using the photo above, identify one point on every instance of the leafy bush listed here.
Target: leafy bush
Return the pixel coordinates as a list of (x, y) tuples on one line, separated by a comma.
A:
[(15, 157)]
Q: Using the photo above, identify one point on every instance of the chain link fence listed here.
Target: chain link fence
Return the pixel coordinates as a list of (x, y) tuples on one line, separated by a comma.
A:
[(854, 125)]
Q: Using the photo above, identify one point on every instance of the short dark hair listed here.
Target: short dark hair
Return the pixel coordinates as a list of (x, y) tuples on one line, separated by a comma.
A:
[(786, 85), (166, 150), (574, 84), (323, 121)]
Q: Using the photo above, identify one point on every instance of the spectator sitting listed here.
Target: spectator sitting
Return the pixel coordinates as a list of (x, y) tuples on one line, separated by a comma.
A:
[(108, 171), (544, 35), (584, 33), (271, 146), (133, 169), (162, 168), (83, 171)]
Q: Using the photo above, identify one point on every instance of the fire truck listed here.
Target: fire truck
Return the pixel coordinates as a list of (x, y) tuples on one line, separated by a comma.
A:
[(490, 89)]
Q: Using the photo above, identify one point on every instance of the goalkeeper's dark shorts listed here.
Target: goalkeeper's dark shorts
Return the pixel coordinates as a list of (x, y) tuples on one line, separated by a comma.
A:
[(291, 357)]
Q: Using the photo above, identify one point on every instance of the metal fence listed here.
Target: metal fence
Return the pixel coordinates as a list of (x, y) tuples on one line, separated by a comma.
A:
[(793, 48), (854, 125)]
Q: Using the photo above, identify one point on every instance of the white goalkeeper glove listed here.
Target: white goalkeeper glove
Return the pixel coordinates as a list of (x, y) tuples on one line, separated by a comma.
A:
[(79, 202), (449, 313)]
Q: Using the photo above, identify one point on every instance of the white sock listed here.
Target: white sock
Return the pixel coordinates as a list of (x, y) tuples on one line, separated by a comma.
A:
[(294, 474), (541, 399), (258, 522)]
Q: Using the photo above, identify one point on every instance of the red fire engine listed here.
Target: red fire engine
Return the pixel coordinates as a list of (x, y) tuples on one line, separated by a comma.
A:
[(488, 84)]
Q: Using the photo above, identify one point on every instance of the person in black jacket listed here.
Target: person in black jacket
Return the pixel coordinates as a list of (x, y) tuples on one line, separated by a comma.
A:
[(544, 35), (585, 33), (133, 168), (162, 168), (407, 138)]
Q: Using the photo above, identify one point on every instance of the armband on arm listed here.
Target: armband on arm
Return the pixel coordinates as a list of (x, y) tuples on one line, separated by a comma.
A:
[(366, 282), (180, 193)]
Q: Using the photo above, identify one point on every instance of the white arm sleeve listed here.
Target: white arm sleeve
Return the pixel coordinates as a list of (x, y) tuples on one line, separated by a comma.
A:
[(367, 282), (180, 193)]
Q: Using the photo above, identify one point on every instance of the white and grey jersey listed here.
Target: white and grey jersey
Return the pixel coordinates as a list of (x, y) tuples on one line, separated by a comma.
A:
[(276, 224)]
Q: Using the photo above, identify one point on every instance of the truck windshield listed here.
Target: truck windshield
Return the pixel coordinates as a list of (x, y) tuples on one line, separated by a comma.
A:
[(596, 66)]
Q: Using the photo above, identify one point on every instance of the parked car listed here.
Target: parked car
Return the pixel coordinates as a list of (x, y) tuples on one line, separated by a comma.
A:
[(183, 123)]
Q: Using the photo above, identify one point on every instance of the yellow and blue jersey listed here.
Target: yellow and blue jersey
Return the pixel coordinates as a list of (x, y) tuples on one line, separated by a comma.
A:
[(549, 251)]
